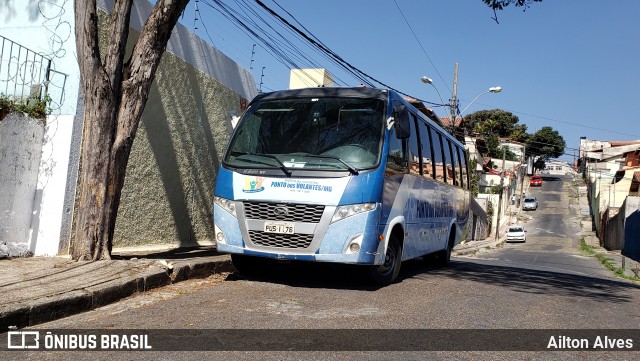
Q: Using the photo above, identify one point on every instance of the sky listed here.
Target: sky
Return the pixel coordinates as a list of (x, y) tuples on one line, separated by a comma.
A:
[(570, 65)]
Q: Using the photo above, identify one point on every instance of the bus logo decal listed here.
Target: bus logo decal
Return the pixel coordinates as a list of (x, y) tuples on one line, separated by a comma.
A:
[(253, 184)]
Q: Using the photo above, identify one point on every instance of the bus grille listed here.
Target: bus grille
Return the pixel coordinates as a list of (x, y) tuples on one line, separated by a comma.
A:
[(284, 212), (281, 240)]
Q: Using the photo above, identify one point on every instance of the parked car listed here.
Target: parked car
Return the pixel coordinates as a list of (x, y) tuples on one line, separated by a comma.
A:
[(516, 234), (536, 181), (530, 204)]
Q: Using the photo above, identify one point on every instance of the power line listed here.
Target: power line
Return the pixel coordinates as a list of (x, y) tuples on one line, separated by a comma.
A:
[(422, 47)]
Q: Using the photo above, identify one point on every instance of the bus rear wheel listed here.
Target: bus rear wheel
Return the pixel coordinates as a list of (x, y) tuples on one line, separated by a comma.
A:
[(388, 271), (442, 258)]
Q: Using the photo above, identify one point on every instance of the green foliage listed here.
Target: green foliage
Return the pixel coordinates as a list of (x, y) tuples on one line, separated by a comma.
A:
[(495, 121), (494, 124), (489, 216), (604, 260), (35, 106), (473, 175), (501, 4), (546, 143), (539, 163)]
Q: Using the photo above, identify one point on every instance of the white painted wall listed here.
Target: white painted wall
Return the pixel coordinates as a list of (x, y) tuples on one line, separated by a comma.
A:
[(47, 27)]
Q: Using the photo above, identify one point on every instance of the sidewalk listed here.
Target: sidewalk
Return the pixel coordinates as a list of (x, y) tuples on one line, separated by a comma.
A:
[(35, 290)]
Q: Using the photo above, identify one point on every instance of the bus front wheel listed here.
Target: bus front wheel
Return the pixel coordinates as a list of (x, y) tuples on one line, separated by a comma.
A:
[(388, 271)]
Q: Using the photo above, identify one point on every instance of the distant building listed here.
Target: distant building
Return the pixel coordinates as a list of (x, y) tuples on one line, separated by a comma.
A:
[(310, 78), (612, 172), (557, 167)]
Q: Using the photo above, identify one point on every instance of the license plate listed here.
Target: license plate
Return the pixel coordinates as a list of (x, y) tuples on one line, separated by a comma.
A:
[(279, 227)]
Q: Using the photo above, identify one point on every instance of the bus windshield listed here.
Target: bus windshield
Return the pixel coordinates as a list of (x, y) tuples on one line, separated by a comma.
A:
[(328, 133)]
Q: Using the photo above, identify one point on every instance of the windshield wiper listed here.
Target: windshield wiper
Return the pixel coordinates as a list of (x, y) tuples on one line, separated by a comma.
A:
[(282, 166), (351, 168)]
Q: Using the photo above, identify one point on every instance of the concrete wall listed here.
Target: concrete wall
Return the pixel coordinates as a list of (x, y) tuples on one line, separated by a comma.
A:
[(631, 246), (625, 229), (20, 144), (167, 196)]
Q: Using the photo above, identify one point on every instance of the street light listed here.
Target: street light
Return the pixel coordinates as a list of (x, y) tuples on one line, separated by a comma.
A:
[(428, 80), (493, 89)]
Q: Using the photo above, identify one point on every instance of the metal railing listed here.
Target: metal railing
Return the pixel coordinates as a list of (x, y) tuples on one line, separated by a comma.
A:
[(23, 72)]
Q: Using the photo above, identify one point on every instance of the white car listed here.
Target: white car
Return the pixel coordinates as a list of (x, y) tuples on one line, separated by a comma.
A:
[(530, 203), (516, 234)]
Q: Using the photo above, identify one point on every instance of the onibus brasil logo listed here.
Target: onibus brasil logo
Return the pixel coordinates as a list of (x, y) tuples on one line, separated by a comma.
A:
[(253, 184)]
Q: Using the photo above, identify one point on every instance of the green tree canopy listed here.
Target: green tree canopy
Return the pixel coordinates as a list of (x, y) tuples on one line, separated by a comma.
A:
[(546, 143), (493, 125), (495, 121)]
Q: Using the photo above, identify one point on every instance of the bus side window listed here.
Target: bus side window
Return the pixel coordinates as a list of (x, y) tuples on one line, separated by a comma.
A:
[(438, 159), (425, 146), (414, 155), (461, 166), (397, 159), (451, 163), (466, 172)]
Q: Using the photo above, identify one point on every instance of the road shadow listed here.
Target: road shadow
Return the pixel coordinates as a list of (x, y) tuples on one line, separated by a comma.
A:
[(541, 282), (312, 275), (177, 253), (329, 276)]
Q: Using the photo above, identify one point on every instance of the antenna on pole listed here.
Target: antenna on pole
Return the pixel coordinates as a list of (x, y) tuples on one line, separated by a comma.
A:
[(253, 52), (195, 17), (261, 76)]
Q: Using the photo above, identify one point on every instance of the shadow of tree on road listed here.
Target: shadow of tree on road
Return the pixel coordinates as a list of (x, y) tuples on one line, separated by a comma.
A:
[(536, 281), (318, 275)]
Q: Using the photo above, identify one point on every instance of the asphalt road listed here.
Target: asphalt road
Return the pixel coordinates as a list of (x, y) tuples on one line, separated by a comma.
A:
[(545, 283)]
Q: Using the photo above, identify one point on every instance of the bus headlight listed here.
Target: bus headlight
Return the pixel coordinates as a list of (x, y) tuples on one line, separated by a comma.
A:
[(343, 212), (227, 205), (219, 234)]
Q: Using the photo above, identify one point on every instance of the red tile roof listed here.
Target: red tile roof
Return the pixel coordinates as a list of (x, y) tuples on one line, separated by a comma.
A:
[(446, 122)]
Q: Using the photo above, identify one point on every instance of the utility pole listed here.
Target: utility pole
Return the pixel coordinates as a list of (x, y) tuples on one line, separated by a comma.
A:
[(523, 173), (504, 154), (454, 102)]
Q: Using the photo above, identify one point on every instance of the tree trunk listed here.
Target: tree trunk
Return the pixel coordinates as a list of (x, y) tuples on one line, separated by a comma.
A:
[(115, 94)]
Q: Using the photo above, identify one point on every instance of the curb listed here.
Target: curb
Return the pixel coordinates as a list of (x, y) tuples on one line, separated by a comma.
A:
[(476, 246), (52, 307)]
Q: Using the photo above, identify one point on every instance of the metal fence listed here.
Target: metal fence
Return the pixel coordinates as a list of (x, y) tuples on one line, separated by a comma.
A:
[(23, 72)]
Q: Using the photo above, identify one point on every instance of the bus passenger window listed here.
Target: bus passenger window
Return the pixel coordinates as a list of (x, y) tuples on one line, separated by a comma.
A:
[(438, 158), (452, 177), (461, 170), (425, 146), (396, 160), (414, 155)]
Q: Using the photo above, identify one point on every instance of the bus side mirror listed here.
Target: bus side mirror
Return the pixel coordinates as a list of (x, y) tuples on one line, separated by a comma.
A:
[(402, 126)]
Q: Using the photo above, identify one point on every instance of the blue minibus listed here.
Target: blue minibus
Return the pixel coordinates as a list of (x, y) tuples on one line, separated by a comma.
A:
[(349, 175)]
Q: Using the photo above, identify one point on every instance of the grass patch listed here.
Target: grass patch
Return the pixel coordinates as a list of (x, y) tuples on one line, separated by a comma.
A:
[(604, 260)]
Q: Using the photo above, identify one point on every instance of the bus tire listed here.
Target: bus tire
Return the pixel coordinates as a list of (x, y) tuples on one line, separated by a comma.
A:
[(442, 258), (388, 271), (248, 265)]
